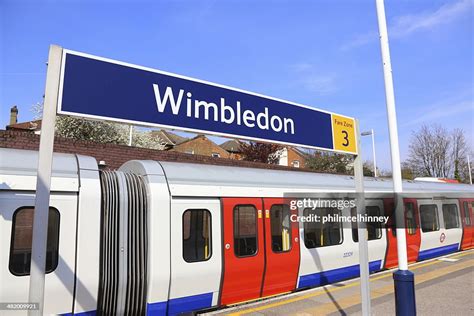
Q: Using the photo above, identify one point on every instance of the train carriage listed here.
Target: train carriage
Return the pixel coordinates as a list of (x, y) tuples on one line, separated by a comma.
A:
[(164, 238)]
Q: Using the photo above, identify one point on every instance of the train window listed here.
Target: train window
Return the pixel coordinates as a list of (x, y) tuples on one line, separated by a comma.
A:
[(22, 233), (467, 214), (317, 234), (245, 230), (450, 216), (280, 227), (374, 230), (429, 218), (196, 235), (410, 219)]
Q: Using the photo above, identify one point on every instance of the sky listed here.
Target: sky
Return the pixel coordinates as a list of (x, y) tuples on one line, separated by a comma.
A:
[(324, 54)]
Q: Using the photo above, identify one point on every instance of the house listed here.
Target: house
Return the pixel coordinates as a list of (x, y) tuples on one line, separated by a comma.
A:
[(292, 157), (169, 139), (201, 145), (233, 147), (30, 126)]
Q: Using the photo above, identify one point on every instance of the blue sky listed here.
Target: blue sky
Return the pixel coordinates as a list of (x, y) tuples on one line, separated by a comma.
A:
[(323, 53)]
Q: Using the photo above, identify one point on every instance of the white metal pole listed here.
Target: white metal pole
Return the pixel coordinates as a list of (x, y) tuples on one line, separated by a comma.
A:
[(373, 153), (404, 280), (362, 231), (469, 169), (130, 136), (393, 130), (43, 182)]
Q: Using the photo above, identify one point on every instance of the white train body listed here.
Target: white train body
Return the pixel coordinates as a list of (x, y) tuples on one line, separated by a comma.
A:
[(163, 238)]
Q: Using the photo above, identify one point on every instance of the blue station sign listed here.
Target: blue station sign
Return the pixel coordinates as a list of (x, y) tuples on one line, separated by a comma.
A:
[(100, 88)]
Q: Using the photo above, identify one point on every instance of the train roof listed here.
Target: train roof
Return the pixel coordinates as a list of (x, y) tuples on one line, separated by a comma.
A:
[(18, 170), (213, 180)]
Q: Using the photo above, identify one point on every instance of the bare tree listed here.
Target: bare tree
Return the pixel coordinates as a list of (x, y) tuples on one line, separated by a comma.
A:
[(435, 152), (429, 152), (459, 151)]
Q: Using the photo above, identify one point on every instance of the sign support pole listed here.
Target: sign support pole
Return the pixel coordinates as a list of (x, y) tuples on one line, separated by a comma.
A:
[(404, 280), (43, 182), (362, 231)]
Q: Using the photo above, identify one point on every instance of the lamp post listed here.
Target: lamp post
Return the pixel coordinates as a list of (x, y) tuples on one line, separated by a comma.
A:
[(469, 169), (367, 133)]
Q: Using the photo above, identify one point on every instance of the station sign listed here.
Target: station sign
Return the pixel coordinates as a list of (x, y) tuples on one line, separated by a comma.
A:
[(104, 89)]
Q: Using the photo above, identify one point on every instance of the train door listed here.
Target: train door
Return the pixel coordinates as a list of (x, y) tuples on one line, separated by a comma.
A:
[(16, 220), (412, 231), (468, 227), (282, 248), (412, 227), (196, 256), (441, 228), (244, 250)]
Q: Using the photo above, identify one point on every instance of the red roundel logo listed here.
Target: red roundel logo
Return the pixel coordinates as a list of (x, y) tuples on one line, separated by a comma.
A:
[(442, 237)]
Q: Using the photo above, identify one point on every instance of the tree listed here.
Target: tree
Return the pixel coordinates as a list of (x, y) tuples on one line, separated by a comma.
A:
[(459, 151), (407, 172), (330, 162), (436, 152), (261, 152), (429, 152), (368, 168), (100, 131)]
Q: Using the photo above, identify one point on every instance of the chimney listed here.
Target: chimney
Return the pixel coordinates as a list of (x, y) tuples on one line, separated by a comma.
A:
[(13, 115)]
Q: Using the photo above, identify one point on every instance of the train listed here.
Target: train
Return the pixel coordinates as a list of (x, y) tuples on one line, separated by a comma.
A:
[(167, 238)]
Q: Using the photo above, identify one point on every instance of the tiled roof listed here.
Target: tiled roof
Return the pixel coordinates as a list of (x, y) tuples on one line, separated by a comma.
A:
[(169, 138), (26, 126), (232, 146)]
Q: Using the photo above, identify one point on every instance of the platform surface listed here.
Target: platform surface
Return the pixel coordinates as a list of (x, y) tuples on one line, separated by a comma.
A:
[(444, 286)]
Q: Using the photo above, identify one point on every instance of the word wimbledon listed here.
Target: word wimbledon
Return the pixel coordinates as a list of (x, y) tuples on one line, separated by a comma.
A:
[(222, 112)]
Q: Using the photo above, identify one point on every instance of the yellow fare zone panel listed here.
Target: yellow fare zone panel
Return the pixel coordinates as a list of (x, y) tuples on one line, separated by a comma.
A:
[(343, 130)]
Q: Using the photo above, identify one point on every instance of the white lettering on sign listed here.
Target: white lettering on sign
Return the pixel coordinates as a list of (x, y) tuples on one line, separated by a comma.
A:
[(221, 112)]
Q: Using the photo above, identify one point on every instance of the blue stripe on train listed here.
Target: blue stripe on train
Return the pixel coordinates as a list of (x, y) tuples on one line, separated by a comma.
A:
[(436, 252), (181, 305), (331, 276), (88, 313), (156, 309)]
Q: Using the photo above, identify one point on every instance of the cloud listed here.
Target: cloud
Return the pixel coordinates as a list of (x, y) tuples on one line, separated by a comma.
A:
[(405, 25), (408, 24), (442, 110), (314, 80), (360, 40)]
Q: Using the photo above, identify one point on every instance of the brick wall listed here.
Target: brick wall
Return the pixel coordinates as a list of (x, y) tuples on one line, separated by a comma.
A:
[(116, 155)]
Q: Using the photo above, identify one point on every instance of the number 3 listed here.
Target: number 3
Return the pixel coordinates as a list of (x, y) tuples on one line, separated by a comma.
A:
[(346, 138)]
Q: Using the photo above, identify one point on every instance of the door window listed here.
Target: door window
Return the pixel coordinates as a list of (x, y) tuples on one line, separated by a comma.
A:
[(280, 227), (196, 235), (450, 216), (374, 230), (410, 219), (467, 214), (317, 234), (245, 230), (22, 233), (429, 218)]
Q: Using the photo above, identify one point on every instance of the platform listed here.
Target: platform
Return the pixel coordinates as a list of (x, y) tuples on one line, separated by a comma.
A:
[(443, 286)]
